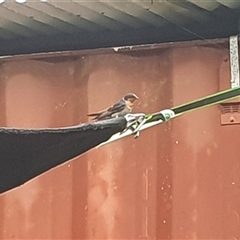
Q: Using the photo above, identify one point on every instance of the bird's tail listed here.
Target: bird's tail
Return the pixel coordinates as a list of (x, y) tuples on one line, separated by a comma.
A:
[(93, 114)]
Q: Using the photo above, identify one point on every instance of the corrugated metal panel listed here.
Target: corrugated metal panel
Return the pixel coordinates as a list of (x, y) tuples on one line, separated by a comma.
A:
[(33, 18), (179, 180)]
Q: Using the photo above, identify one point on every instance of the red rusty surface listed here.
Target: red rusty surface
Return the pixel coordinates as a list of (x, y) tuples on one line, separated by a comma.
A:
[(179, 180)]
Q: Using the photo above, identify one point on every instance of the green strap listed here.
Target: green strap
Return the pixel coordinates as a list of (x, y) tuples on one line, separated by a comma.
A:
[(200, 103)]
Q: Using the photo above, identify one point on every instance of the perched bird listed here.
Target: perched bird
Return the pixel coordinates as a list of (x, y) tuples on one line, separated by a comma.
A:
[(121, 108)]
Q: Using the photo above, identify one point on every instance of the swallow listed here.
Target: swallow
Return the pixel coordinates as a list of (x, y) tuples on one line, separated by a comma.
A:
[(121, 108)]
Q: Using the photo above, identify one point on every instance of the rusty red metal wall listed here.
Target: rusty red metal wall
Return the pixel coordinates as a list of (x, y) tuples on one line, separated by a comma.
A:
[(179, 180)]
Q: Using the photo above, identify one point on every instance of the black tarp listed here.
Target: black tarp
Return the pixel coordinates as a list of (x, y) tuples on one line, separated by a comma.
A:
[(25, 154)]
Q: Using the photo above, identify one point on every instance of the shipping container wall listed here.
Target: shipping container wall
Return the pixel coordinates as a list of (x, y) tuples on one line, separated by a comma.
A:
[(179, 180)]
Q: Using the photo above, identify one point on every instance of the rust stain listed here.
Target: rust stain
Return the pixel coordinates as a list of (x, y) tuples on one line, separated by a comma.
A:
[(161, 186)]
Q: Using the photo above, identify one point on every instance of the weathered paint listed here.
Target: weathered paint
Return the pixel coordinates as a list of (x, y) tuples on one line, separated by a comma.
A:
[(179, 180)]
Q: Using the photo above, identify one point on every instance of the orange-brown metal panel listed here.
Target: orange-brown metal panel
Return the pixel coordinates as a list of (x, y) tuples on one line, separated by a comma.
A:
[(205, 154), (39, 94), (178, 180), (122, 176), (196, 209)]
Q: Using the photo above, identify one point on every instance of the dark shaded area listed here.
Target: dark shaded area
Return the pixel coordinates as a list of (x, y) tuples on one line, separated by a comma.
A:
[(26, 154), (220, 23)]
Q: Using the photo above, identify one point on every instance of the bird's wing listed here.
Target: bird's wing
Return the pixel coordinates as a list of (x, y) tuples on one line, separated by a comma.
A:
[(94, 114), (118, 107)]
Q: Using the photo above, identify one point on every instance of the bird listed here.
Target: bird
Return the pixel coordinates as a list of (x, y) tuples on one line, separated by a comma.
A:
[(121, 108)]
